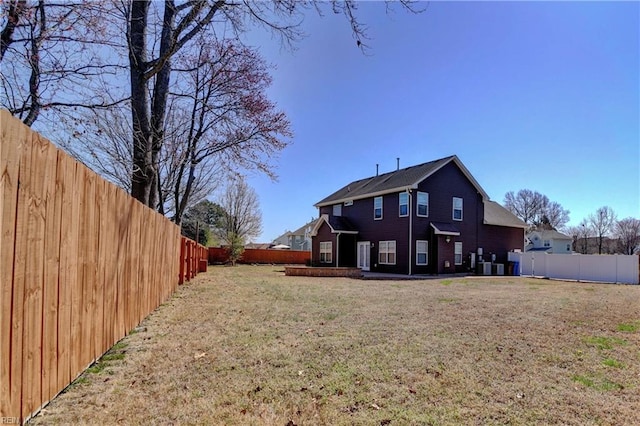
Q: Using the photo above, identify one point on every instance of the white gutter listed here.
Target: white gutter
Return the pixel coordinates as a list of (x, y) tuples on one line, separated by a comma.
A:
[(338, 250), (410, 231)]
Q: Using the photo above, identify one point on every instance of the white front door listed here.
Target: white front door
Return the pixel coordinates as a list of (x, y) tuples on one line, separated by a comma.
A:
[(364, 252)]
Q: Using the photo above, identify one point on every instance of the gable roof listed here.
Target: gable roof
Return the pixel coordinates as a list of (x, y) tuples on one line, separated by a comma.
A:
[(495, 214), (337, 224), (551, 235), (396, 181)]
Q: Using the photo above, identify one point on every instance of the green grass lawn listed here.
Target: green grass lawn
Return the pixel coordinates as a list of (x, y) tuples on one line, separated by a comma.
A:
[(248, 345)]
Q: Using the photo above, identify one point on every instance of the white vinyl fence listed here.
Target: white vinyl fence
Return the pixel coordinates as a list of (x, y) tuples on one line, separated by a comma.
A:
[(615, 268)]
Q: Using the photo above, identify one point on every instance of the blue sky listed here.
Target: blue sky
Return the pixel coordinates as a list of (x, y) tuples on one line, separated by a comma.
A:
[(536, 95)]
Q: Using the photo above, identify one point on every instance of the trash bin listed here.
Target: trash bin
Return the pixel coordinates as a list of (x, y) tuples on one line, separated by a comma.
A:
[(510, 268), (516, 268)]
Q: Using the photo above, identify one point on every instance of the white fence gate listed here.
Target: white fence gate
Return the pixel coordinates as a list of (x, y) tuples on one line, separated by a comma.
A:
[(615, 268)]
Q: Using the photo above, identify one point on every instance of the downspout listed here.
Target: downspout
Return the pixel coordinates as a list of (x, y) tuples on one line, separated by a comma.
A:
[(410, 230), (338, 250)]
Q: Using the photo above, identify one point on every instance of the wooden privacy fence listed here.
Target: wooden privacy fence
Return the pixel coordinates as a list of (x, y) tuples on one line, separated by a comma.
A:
[(81, 264), (291, 257), (193, 259)]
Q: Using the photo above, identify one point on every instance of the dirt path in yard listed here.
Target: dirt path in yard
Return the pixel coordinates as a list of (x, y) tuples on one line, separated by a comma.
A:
[(248, 345)]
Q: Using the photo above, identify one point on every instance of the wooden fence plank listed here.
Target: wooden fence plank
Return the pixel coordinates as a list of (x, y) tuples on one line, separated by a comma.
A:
[(34, 278), (122, 201), (11, 147), (104, 235), (68, 264), (53, 205), (108, 217), (77, 250)]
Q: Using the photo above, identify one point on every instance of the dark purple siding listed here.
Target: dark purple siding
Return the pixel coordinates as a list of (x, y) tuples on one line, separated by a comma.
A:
[(500, 240), (324, 234), (442, 186)]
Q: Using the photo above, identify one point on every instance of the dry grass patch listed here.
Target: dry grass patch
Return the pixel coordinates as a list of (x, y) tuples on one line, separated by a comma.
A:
[(247, 345)]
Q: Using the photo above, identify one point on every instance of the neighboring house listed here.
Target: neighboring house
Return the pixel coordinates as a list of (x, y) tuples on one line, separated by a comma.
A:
[(425, 219), (300, 239), (549, 241)]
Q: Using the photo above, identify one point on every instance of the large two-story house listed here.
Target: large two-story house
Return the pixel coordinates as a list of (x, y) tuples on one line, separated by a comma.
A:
[(432, 218)]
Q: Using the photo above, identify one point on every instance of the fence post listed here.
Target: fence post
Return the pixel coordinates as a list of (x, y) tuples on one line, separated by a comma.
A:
[(182, 257)]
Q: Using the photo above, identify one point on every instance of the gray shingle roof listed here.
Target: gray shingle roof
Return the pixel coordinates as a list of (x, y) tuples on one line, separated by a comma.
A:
[(495, 214), (395, 181)]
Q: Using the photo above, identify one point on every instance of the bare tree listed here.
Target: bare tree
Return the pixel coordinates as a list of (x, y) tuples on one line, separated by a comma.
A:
[(580, 235), (228, 118), (242, 220), (526, 204), (50, 55), (628, 233), (554, 215), (602, 222), (536, 210), (154, 42)]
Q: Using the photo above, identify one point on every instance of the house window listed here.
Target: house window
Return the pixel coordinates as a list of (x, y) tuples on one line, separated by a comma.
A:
[(568, 247), (325, 252), (457, 250), (377, 208), (337, 209), (421, 252), (457, 208), (387, 253), (403, 207), (423, 204)]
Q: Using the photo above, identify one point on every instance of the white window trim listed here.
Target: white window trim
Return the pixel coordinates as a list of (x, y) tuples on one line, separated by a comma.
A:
[(456, 253), (418, 204), (327, 250), (453, 212), (400, 204), (386, 251), (381, 208), (426, 252)]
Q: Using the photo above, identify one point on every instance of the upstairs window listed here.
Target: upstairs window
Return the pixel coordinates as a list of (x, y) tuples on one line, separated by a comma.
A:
[(457, 208), (403, 207), (337, 209), (377, 208), (423, 204), (325, 251), (387, 253), (421, 252)]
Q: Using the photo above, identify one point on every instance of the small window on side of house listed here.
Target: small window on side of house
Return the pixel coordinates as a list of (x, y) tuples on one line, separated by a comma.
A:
[(423, 204), (422, 252), (403, 206), (325, 251), (457, 208), (458, 253), (337, 209), (377, 208)]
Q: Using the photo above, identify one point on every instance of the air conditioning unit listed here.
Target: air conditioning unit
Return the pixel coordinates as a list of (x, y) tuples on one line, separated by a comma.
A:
[(484, 268)]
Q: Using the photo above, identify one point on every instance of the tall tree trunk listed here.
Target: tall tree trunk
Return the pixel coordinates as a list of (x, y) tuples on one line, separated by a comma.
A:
[(142, 175), (161, 93)]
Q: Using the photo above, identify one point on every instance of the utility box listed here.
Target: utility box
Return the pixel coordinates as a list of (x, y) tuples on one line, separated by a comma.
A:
[(484, 268), (497, 268)]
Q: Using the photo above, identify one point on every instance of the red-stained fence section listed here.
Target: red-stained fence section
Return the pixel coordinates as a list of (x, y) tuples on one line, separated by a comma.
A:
[(193, 259), (282, 257)]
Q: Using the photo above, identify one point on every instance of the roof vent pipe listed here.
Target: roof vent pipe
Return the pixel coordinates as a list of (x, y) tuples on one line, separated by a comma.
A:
[(377, 168), (397, 163)]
